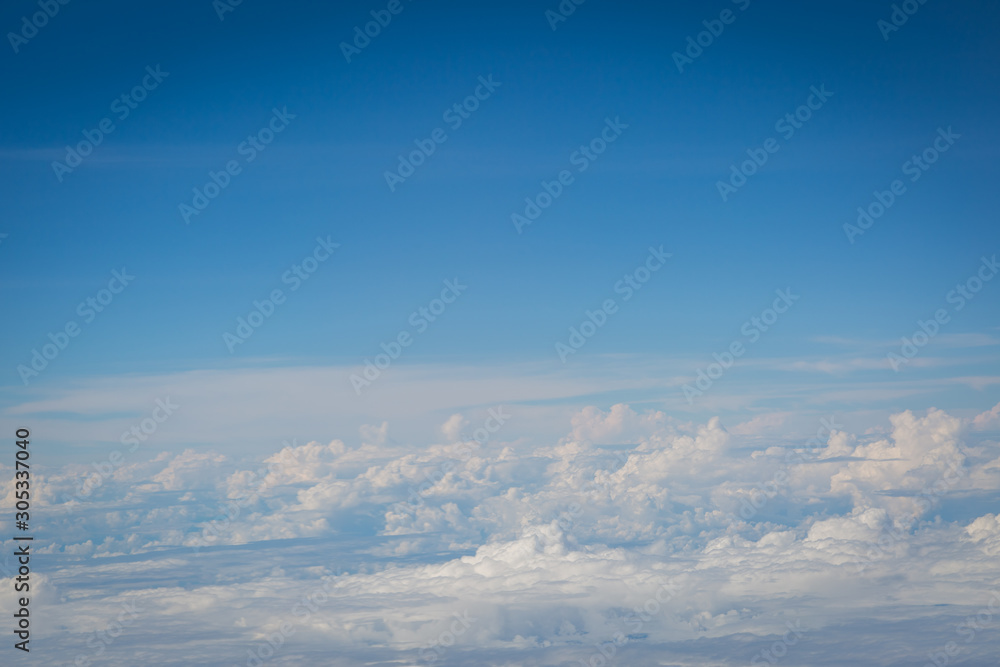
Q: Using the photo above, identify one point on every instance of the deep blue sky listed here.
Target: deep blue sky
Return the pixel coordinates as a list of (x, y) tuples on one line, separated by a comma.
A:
[(324, 176)]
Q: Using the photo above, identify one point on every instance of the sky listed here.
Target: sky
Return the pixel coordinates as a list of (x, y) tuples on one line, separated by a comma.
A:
[(669, 242)]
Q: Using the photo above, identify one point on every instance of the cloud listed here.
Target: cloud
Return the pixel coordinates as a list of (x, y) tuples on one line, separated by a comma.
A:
[(907, 471), (760, 424), (987, 419), (662, 537), (620, 422)]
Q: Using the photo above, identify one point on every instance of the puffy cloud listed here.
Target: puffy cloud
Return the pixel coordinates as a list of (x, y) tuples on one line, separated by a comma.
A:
[(760, 424), (988, 419), (190, 469), (909, 470), (374, 435), (454, 427), (673, 539), (620, 422), (985, 532)]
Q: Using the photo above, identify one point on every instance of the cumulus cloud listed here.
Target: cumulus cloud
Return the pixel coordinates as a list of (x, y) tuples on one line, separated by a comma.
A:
[(919, 461), (620, 422), (634, 532), (988, 419)]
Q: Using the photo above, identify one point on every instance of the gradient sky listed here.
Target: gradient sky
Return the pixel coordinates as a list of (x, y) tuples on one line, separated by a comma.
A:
[(324, 176), (670, 511), (656, 185)]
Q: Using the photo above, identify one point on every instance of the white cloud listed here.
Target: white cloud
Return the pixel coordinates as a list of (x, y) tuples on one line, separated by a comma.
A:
[(551, 549), (988, 419)]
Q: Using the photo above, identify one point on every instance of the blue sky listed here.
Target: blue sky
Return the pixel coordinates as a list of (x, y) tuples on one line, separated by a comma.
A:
[(887, 96), (657, 185)]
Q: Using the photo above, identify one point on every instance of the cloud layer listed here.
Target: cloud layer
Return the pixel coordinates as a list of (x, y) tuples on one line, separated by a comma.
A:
[(636, 538)]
